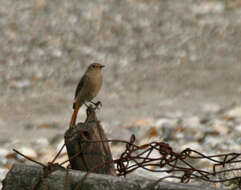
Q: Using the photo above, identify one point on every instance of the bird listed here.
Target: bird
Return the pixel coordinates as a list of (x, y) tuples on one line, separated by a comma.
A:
[(87, 89)]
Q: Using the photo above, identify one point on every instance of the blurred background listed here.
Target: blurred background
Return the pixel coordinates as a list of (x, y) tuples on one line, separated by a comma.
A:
[(170, 65)]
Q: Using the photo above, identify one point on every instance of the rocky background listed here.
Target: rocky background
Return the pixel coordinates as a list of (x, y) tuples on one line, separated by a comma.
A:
[(173, 72)]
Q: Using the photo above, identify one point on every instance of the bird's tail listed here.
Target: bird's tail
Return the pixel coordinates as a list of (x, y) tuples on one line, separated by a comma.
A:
[(74, 105), (74, 115)]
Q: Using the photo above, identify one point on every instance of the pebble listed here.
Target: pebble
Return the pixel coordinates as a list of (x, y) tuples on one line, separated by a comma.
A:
[(193, 133), (149, 140), (45, 126), (208, 7), (235, 112), (120, 132), (41, 142), (192, 121), (3, 161), (20, 84), (4, 151), (167, 133), (165, 121), (142, 122), (210, 108), (193, 145), (213, 142), (27, 152), (238, 128), (221, 127)]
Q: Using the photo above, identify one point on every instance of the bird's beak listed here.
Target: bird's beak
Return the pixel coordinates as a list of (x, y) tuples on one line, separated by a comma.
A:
[(102, 66)]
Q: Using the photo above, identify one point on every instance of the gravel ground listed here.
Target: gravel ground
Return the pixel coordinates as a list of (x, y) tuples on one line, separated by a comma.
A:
[(178, 59)]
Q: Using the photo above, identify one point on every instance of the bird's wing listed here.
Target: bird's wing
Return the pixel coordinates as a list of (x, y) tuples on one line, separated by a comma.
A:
[(79, 90), (80, 85)]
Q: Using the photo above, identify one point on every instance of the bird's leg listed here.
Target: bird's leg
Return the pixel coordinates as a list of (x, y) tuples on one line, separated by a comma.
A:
[(74, 116), (98, 104)]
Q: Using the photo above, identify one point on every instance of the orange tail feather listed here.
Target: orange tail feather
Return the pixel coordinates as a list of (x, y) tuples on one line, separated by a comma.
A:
[(74, 116)]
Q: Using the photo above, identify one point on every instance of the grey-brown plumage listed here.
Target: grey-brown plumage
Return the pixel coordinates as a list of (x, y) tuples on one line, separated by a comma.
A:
[(88, 88)]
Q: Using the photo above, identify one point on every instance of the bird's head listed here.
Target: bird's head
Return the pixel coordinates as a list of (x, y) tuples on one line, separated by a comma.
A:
[(95, 67)]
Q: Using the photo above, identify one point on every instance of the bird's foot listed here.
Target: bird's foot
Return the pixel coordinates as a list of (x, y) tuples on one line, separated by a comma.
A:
[(98, 104)]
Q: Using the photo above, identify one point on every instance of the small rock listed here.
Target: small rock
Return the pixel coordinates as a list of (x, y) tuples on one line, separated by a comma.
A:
[(220, 127), (46, 126), (41, 141), (166, 102), (27, 152), (28, 126), (119, 132), (20, 84), (144, 141), (3, 152), (57, 53), (164, 121), (238, 128), (208, 7), (192, 121), (167, 133), (213, 142), (174, 115), (235, 112), (3, 161), (193, 133), (210, 108), (235, 148), (179, 135), (192, 145), (39, 5), (152, 132), (206, 118), (11, 155), (142, 122)]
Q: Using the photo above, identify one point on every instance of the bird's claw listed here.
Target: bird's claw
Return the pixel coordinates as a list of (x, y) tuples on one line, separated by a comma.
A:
[(98, 104)]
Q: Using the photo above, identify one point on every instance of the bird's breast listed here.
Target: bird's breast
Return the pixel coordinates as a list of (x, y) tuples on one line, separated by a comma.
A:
[(95, 83)]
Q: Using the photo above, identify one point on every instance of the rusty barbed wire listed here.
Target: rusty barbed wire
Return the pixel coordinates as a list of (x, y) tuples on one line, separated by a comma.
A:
[(179, 164), (168, 161), (135, 157)]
